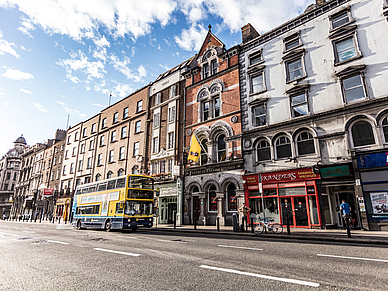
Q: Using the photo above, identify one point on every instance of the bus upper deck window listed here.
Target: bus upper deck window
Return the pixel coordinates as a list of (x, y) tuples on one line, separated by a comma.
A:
[(102, 186), (111, 184), (84, 190), (120, 183), (92, 188)]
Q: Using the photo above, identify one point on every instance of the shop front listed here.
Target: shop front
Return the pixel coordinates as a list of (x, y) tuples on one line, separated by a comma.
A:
[(285, 196), (62, 208), (373, 173)]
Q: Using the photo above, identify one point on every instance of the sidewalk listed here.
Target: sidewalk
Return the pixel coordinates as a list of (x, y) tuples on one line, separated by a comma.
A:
[(328, 235)]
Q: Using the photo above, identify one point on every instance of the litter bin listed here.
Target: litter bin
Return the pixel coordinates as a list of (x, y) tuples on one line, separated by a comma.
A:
[(235, 223)]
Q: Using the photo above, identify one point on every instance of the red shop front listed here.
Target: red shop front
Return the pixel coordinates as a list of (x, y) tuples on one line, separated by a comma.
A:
[(290, 194)]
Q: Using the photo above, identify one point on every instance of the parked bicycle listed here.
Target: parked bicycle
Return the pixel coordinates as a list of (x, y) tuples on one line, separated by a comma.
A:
[(265, 223)]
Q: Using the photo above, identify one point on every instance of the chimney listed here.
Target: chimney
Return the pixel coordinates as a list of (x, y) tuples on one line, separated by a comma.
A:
[(248, 33), (320, 2)]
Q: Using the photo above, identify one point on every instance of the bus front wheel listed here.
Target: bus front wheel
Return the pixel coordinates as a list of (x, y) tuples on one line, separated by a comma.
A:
[(108, 225)]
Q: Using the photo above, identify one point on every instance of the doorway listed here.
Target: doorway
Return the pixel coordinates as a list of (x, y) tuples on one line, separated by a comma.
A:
[(350, 199), (171, 208), (196, 209), (295, 208)]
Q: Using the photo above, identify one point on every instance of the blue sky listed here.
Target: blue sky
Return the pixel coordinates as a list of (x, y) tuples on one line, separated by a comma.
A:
[(64, 57)]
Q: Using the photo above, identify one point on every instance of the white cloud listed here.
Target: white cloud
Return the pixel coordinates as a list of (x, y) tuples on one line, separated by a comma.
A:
[(14, 74), (100, 54), (40, 107), (26, 27), (71, 111), (191, 39), (26, 91), (7, 47), (123, 90), (1, 93), (164, 67), (101, 42), (98, 105)]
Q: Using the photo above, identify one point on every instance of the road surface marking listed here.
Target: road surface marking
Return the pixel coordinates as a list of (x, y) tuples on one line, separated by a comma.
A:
[(233, 247), (177, 241), (306, 283), (28, 231), (117, 252), (58, 242), (7, 233), (352, 258)]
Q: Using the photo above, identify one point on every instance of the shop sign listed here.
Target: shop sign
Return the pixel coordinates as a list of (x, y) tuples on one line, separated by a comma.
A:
[(289, 176), (337, 171), (372, 160), (48, 192), (208, 169), (379, 202), (361, 203)]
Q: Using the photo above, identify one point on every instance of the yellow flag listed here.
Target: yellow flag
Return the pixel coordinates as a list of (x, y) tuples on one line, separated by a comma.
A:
[(195, 149)]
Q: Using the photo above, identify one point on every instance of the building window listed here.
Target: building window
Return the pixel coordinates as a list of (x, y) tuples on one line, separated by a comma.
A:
[(89, 165), (231, 196), (155, 145), (257, 83), (58, 173), (76, 136), (214, 67), (221, 148), (212, 198), (156, 120), (120, 172), (169, 165), (345, 49), (111, 156), (305, 143), (102, 140), (139, 106), (103, 123), (109, 175), (173, 91), (82, 148), (93, 128), (84, 132), (154, 168), (294, 69), (384, 125), (204, 157), (71, 168), (125, 112), (115, 117), (255, 58), (283, 147), (113, 136), (122, 153), (263, 151), (339, 19), (353, 88), (158, 98), (138, 126), (134, 170), (259, 115), (299, 106), (99, 160), (124, 132), (171, 114), (216, 107), (291, 41), (170, 140), (136, 149), (91, 144), (162, 166), (80, 165), (205, 110), (98, 177), (67, 154), (205, 71), (362, 134), (74, 152)]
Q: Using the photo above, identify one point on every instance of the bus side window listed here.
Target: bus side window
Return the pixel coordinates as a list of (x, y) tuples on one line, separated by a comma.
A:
[(120, 183), (119, 208), (111, 184), (102, 186)]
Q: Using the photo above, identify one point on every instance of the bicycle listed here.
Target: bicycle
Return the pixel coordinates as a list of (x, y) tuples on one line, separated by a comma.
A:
[(265, 223)]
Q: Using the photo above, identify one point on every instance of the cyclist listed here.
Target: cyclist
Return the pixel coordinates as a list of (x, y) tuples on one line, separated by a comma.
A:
[(345, 207)]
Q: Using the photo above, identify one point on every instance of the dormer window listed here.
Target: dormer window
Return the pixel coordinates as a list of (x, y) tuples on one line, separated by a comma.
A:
[(209, 63)]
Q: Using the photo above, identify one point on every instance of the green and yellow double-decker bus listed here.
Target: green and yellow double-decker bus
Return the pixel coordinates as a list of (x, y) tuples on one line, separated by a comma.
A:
[(125, 202)]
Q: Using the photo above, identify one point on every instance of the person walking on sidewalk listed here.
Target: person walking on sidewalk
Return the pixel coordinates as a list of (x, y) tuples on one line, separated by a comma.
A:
[(244, 214), (346, 211)]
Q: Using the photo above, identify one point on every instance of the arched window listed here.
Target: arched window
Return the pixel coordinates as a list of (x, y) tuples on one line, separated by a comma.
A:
[(204, 157), (283, 147), (120, 172), (195, 189), (232, 200), (362, 134), (212, 198), (221, 148), (263, 151), (109, 175), (134, 170), (98, 177), (305, 143), (385, 128)]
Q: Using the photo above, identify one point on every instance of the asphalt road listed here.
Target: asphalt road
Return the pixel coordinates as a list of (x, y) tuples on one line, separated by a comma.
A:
[(44, 256)]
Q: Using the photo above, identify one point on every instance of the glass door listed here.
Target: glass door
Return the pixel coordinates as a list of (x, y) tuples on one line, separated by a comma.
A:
[(286, 207), (300, 210)]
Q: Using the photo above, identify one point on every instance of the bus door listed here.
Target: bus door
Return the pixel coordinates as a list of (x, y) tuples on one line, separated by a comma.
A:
[(119, 217)]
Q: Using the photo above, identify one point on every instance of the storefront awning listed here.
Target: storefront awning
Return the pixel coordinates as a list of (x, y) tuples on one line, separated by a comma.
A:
[(63, 201)]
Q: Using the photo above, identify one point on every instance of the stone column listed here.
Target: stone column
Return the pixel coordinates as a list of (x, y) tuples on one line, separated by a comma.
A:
[(220, 214), (187, 211), (202, 218), (240, 200)]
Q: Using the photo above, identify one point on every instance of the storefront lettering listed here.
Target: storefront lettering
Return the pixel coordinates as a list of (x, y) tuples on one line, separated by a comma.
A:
[(214, 169), (279, 177)]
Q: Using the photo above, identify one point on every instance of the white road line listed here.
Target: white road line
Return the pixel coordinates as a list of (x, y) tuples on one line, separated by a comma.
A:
[(176, 241), (352, 258), (7, 233), (28, 231), (299, 282), (58, 242), (233, 247), (2, 235), (117, 252)]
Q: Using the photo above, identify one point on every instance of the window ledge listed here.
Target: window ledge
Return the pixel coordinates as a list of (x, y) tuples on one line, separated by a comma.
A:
[(291, 49), (296, 80), (111, 162), (123, 137), (99, 165), (301, 116), (257, 93), (359, 56), (113, 141)]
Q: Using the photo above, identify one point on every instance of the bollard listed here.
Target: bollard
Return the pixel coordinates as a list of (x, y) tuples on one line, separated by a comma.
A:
[(288, 225), (252, 226), (348, 227), (174, 214), (195, 223), (218, 224)]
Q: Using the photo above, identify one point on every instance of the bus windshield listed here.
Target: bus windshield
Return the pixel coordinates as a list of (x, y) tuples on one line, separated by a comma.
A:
[(140, 182), (135, 207)]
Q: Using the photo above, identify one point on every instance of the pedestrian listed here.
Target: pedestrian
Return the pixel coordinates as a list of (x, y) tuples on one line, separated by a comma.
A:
[(244, 215), (346, 211)]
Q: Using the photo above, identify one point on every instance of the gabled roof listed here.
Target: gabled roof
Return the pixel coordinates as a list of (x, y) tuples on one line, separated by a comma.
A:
[(210, 39)]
